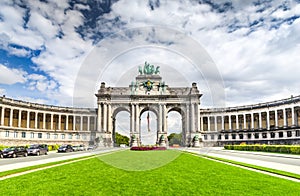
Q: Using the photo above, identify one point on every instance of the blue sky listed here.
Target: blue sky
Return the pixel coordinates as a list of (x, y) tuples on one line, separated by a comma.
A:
[(48, 46)]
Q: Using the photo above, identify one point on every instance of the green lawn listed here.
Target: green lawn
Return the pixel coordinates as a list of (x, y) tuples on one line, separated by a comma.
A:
[(186, 175)]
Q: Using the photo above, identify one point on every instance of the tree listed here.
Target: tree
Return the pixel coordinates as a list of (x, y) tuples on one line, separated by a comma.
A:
[(175, 138), (121, 139)]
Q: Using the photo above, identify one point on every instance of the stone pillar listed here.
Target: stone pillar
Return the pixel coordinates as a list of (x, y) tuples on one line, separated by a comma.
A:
[(252, 120), (88, 123), (44, 121), (245, 121), (74, 122), (260, 120), (201, 118), (28, 119), (187, 120), (2, 116), (160, 120), (104, 118), (81, 123), (192, 118), (237, 122), (132, 116), (276, 119), (284, 117), (109, 118), (293, 116), (197, 118), (165, 127), (99, 117), (67, 122), (137, 119), (216, 123), (11, 117), (19, 118), (229, 122), (208, 123), (268, 120), (51, 122), (36, 120), (223, 123)]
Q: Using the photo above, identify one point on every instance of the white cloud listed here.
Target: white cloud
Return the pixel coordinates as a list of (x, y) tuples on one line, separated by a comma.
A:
[(11, 76), (2, 91)]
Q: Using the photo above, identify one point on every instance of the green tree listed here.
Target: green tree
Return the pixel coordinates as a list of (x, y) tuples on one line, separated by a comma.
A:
[(175, 138), (121, 139)]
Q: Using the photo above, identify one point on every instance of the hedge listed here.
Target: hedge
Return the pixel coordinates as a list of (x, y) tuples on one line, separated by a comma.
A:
[(146, 148), (289, 149)]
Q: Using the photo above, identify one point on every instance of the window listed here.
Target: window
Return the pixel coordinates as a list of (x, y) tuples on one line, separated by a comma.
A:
[(272, 135), (264, 135), (55, 136), (77, 136), (63, 136), (6, 133), (233, 136), (226, 136), (205, 137), (241, 136), (48, 135), (23, 134), (15, 134), (84, 136), (31, 135), (249, 135), (40, 135), (212, 137), (256, 135), (289, 134), (297, 133), (219, 137), (280, 134), (70, 136)]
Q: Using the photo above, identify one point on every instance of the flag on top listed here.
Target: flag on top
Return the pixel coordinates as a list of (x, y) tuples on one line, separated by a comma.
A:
[(148, 121)]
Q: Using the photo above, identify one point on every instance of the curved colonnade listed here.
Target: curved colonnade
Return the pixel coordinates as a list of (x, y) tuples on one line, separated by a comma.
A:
[(276, 122)]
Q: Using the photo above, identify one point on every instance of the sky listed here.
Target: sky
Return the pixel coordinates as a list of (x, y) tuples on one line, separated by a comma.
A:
[(239, 52)]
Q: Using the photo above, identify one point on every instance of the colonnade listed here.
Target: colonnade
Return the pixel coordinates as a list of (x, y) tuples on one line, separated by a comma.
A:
[(266, 118), (18, 117)]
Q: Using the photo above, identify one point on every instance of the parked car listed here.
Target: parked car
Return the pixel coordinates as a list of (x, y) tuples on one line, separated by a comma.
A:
[(65, 148), (91, 147), (1, 154), (37, 149), (15, 151), (75, 148)]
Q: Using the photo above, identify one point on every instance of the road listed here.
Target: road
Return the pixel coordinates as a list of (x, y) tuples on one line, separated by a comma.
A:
[(20, 162), (284, 162)]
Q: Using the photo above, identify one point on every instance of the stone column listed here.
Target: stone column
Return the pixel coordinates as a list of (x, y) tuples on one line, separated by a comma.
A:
[(2, 116), (197, 118), (44, 121), (192, 118), (260, 120), (229, 122), (132, 116), (276, 119), (19, 118), (28, 119), (81, 123), (223, 123), (67, 122), (252, 120), (216, 123), (165, 129), (104, 118), (51, 122), (245, 121), (293, 116), (201, 118), (237, 122), (137, 118), (99, 117), (11, 117), (109, 118), (268, 120), (160, 120), (36, 120), (187, 119), (74, 122), (88, 123), (284, 117), (208, 123)]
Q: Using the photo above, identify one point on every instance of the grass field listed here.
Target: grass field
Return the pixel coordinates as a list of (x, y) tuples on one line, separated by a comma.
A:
[(186, 175)]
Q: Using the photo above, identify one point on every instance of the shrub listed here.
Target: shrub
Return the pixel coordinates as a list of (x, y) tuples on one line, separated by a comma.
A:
[(266, 148)]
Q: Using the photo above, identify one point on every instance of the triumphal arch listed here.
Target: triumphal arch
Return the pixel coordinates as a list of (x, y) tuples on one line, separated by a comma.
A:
[(148, 93)]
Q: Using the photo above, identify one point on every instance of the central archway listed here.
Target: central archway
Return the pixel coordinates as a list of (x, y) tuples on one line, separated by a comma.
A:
[(148, 128)]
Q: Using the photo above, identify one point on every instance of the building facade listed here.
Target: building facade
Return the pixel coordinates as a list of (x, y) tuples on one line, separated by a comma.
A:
[(23, 123)]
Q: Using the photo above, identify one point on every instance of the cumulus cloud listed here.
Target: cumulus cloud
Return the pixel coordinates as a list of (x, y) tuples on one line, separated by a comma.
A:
[(11, 76)]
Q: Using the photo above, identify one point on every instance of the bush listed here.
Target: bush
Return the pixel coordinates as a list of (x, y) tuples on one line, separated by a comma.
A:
[(289, 149), (146, 148)]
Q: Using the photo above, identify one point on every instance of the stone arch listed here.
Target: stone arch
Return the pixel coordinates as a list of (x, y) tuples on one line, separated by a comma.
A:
[(115, 112), (182, 112)]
